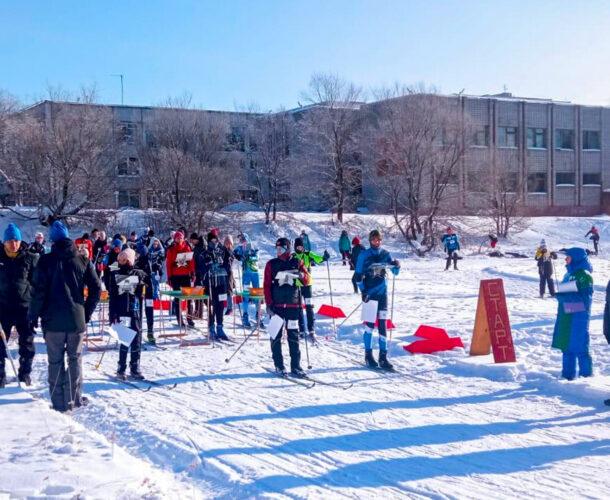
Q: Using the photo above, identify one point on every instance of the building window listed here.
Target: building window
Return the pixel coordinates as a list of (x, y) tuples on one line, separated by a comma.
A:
[(590, 139), (128, 167), (536, 182), (507, 137), (236, 140), (128, 132), (481, 137), (564, 139), (592, 179), (565, 178), (476, 182), (128, 198), (536, 138), (153, 200)]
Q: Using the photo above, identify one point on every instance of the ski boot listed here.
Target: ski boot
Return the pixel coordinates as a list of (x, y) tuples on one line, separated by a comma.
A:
[(246, 320), (384, 364), (151, 338), (190, 323), (298, 372), (136, 373), (2, 381), (369, 359), (220, 333), (281, 371), (26, 379), (120, 374)]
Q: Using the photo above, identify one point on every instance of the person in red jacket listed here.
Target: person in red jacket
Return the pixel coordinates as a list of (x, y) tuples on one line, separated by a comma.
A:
[(84, 244), (283, 298), (180, 271)]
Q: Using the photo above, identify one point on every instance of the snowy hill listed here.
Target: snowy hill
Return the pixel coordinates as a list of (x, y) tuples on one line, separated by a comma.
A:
[(449, 426)]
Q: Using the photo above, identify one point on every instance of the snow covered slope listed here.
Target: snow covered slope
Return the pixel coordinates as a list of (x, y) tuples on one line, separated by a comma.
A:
[(449, 427)]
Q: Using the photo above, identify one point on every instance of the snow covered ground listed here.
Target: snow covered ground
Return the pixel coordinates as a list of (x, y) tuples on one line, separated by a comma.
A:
[(450, 427)]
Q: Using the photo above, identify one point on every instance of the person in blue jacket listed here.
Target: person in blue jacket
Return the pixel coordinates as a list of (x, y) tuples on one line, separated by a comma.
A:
[(248, 256), (370, 277), (451, 244), (571, 333)]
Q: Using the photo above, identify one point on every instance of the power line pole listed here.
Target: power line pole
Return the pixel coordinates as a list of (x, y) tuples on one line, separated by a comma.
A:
[(121, 77)]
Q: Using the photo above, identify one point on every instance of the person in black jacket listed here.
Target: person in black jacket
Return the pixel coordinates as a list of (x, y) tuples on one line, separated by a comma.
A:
[(37, 246), (58, 299), (213, 269), (16, 272), (353, 259), (126, 288), (144, 263), (199, 247), (545, 268)]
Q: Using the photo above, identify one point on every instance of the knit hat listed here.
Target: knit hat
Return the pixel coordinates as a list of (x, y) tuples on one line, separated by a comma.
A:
[(214, 230), (542, 243), (129, 255), (117, 243), (141, 248), (58, 232), (355, 240), (374, 234), (178, 234), (298, 242), (12, 233), (283, 242), (194, 236), (212, 236)]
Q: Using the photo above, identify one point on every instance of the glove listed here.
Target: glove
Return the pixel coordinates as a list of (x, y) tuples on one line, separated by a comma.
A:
[(365, 297), (395, 270), (325, 256), (395, 263)]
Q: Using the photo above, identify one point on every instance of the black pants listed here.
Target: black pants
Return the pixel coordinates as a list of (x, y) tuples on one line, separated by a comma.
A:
[(177, 282), (17, 317), (355, 283), (596, 245), (547, 280), (306, 295), (451, 255), (135, 347), (345, 256), (65, 386), (216, 312), (290, 317)]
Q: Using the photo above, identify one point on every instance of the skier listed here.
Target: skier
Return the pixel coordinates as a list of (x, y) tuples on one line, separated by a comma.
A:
[(545, 268), (370, 277), (38, 246), (571, 333), (451, 244), (143, 263), (344, 247), (16, 272), (307, 257), (126, 287), (595, 237), (213, 268), (57, 298), (248, 256), (228, 244), (180, 273), (283, 299), (353, 259), (306, 242)]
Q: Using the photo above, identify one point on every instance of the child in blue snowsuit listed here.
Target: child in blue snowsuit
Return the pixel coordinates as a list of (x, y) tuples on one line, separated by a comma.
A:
[(451, 244), (248, 256), (370, 277)]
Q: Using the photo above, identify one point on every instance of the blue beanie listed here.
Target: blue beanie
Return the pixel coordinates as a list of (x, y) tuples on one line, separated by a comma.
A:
[(117, 243), (58, 232), (12, 233), (141, 248)]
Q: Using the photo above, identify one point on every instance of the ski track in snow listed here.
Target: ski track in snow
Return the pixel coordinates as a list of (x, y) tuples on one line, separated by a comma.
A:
[(464, 428)]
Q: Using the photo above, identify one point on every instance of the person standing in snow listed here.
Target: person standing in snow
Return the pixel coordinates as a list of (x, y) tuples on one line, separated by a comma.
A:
[(571, 332), (110, 259), (17, 266), (306, 243), (371, 280), (353, 259), (283, 299), (228, 244), (307, 257), (344, 247), (545, 268), (248, 256), (180, 272), (38, 246), (594, 237), (126, 289), (100, 249), (57, 297), (451, 245), (143, 263), (213, 270)]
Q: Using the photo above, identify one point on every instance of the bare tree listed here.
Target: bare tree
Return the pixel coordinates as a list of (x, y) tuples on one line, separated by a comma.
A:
[(8, 106), (417, 142), (62, 160), (329, 131), (269, 157), (187, 165)]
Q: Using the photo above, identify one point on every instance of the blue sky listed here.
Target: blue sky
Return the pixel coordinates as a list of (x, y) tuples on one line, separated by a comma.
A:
[(230, 52)]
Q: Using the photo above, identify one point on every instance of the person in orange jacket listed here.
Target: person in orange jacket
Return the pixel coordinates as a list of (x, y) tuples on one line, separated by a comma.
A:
[(180, 272)]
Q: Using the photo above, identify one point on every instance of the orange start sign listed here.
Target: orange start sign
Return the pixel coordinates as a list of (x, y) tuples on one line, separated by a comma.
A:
[(491, 325)]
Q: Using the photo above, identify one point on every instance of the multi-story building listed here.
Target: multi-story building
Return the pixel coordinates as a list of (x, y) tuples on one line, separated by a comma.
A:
[(557, 153)]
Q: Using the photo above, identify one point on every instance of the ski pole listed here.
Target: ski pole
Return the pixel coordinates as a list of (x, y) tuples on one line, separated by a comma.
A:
[(10, 357), (99, 363), (330, 287), (350, 314), (392, 308), (306, 352), (241, 345)]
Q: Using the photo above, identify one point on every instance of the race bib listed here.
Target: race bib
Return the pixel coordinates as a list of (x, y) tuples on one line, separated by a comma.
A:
[(125, 320), (222, 297), (293, 324), (150, 302), (308, 301)]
